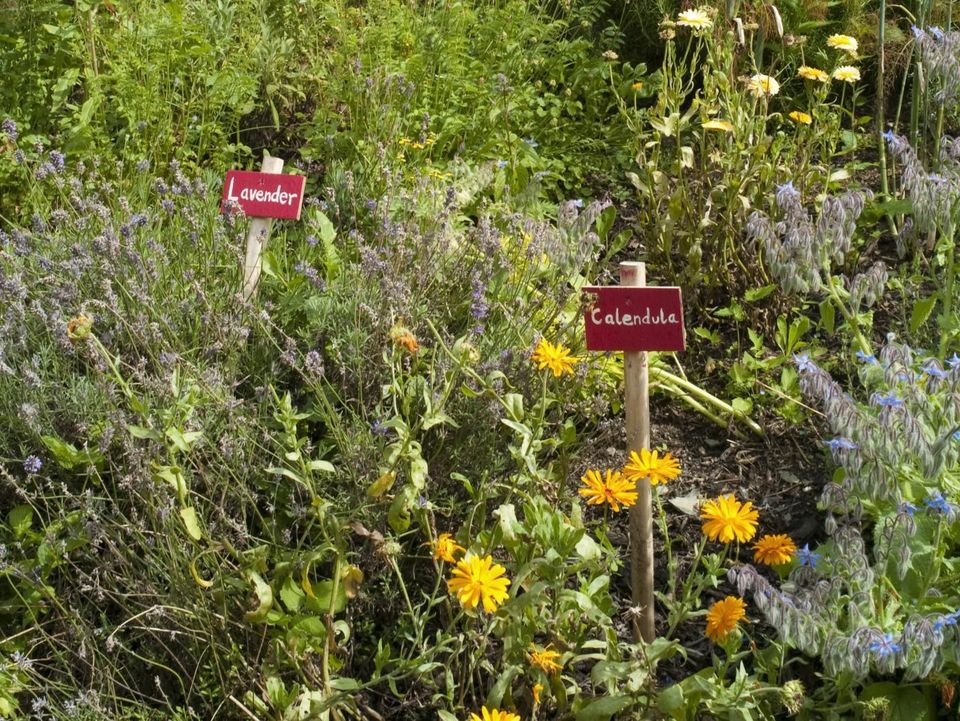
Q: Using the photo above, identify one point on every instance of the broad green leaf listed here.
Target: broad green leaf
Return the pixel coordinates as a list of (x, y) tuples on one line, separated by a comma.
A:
[(602, 709), (20, 520), (146, 433), (921, 311), (345, 684), (755, 294), (291, 595), (192, 523), (827, 315), (495, 697)]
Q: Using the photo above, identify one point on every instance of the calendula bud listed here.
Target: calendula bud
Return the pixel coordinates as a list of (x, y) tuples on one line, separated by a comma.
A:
[(792, 695), (466, 351), (79, 327)]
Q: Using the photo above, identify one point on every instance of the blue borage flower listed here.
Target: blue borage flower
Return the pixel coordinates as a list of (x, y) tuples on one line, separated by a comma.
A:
[(806, 557), (949, 619), (936, 502), (953, 361), (888, 401), (908, 508), (866, 357), (885, 646), (840, 443), (803, 362)]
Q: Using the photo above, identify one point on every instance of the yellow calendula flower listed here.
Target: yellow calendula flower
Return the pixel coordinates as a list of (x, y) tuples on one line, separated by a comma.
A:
[(847, 73), (445, 547), (545, 660), (723, 126), (648, 464), (637, 86), (478, 580), (774, 550), (615, 490), (763, 85), (723, 616), (843, 42), (555, 357), (494, 715), (537, 690), (801, 117), (695, 19), (726, 519), (808, 73)]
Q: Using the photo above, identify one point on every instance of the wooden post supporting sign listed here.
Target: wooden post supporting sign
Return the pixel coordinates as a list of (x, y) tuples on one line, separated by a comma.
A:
[(263, 196), (635, 319)]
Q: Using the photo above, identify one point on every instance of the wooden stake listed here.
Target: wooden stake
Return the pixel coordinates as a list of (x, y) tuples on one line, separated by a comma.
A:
[(257, 238), (637, 406)]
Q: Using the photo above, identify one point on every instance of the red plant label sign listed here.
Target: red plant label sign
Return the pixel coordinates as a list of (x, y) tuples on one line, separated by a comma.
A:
[(633, 318), (264, 195)]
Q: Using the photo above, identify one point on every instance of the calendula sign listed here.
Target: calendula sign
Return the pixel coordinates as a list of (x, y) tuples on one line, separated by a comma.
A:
[(265, 195), (623, 318)]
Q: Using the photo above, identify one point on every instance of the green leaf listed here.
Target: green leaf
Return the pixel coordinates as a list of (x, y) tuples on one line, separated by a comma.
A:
[(446, 716), (345, 684), (602, 709), (921, 312), (827, 315), (20, 520), (755, 294), (146, 433), (264, 596), (291, 595), (495, 697), (671, 701), (192, 522), (325, 466)]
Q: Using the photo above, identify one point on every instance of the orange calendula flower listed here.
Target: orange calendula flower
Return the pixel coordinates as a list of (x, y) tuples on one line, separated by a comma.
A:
[(723, 616), (545, 660), (403, 338), (478, 580), (774, 550), (726, 519), (649, 465), (445, 547), (801, 117), (614, 490), (808, 73), (555, 357), (494, 715)]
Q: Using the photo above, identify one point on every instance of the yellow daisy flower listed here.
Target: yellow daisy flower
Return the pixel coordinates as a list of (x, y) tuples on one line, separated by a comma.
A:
[(649, 465), (615, 490), (445, 547), (808, 73), (801, 117), (724, 126), (843, 42), (723, 616), (847, 73), (555, 357), (726, 519), (774, 550), (695, 19), (494, 715), (545, 660), (763, 85), (476, 580)]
